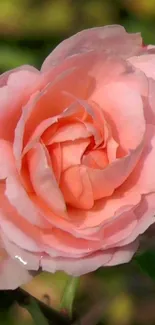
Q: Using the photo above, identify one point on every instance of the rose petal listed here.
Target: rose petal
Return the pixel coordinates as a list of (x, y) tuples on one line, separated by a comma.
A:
[(124, 254), (117, 100), (77, 267), (145, 63), (144, 213), (28, 260), (71, 131), (141, 179), (112, 37), (43, 179), (105, 181), (72, 152), (12, 275), (76, 187)]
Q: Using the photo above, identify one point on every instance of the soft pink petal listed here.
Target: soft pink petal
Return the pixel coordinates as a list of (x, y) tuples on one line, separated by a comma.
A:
[(112, 147), (76, 187), (95, 159), (55, 153), (18, 229), (12, 275), (118, 100), (145, 63), (53, 100), (66, 243), (118, 229), (20, 86), (76, 267), (20, 128), (43, 179), (105, 181), (142, 180), (7, 162), (145, 214), (113, 38), (4, 76), (124, 254), (20, 200), (28, 260), (13, 232), (72, 152), (104, 211), (70, 131)]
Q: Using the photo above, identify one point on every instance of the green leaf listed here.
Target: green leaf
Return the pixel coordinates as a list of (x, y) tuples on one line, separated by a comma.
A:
[(69, 295), (146, 261)]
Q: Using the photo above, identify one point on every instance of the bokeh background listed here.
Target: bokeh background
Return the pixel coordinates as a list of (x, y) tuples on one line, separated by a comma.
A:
[(29, 30)]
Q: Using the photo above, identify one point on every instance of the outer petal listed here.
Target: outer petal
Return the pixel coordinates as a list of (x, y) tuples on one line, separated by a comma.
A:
[(20, 85), (28, 260), (12, 275), (77, 267), (142, 179), (7, 162), (145, 214), (112, 38), (145, 63), (4, 76), (124, 254)]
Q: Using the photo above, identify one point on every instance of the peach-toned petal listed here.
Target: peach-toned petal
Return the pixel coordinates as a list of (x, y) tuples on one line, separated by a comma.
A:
[(105, 181), (19, 229), (20, 200), (123, 108), (7, 162), (4, 76), (96, 159), (77, 267), (13, 232), (112, 147), (72, 152), (43, 178), (118, 229), (20, 128), (68, 244), (20, 85), (145, 214), (55, 153), (114, 38), (70, 131), (76, 187), (49, 126), (104, 211), (54, 101), (141, 180)]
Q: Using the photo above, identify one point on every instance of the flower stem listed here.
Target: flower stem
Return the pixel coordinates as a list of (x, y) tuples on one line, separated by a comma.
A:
[(69, 295)]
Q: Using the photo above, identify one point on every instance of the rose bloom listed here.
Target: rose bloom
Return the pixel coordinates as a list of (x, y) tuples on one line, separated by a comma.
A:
[(77, 156)]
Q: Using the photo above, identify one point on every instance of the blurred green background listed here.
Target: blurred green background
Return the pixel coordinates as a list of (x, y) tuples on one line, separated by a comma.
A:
[(29, 30)]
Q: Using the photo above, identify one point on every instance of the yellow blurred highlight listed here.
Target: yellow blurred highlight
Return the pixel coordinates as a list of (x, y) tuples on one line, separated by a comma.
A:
[(121, 310), (141, 7)]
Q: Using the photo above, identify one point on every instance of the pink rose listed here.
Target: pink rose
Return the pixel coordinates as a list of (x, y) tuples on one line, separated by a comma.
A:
[(77, 156)]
